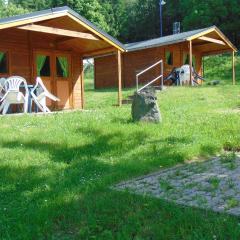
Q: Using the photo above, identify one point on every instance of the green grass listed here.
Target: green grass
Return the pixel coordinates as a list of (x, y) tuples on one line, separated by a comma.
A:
[(220, 68), (214, 182), (56, 171), (229, 160), (165, 185), (232, 203)]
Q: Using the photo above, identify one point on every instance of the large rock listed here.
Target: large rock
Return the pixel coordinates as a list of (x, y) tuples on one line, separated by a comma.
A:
[(145, 107)]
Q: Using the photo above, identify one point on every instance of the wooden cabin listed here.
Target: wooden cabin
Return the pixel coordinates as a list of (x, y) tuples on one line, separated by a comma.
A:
[(175, 51), (52, 44)]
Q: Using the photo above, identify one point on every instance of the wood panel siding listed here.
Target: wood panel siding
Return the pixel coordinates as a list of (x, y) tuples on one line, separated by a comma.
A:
[(134, 62), (71, 23), (106, 72), (22, 48), (18, 53)]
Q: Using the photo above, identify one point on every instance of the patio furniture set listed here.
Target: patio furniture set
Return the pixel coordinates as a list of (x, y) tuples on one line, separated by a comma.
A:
[(180, 76), (15, 91)]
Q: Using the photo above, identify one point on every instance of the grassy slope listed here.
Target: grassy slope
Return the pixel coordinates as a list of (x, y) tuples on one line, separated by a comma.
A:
[(55, 171), (220, 68)]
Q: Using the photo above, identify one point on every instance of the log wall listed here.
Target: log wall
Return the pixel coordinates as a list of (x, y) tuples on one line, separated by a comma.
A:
[(21, 47), (134, 62)]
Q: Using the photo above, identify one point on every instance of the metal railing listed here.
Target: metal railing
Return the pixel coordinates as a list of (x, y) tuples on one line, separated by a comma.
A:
[(154, 80)]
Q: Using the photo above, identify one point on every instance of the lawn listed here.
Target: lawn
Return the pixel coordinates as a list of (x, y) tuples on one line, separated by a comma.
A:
[(56, 171)]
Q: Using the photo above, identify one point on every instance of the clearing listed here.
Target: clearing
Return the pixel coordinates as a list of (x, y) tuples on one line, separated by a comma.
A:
[(56, 171)]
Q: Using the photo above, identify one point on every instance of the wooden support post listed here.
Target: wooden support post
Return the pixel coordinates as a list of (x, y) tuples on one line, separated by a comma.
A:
[(233, 69), (119, 77), (190, 62), (203, 66), (82, 83), (31, 59)]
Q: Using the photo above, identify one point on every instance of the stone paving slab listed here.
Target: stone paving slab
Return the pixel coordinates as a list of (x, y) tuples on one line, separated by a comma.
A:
[(213, 184)]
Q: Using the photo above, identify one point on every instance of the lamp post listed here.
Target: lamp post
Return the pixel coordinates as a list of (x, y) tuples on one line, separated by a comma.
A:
[(161, 3)]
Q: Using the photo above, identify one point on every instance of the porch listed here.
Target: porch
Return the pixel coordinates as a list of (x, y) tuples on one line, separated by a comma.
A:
[(52, 44)]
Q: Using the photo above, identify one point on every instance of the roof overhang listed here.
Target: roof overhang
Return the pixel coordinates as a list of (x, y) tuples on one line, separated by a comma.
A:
[(184, 37), (33, 18), (223, 38), (132, 49)]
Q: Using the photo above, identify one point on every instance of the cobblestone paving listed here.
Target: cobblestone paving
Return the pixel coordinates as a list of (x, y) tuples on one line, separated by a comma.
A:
[(212, 185)]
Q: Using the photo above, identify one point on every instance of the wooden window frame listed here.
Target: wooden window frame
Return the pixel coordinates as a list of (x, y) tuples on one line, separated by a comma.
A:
[(68, 57), (50, 64), (193, 57)]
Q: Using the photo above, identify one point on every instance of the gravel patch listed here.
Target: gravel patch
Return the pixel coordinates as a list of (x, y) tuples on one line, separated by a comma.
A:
[(213, 185)]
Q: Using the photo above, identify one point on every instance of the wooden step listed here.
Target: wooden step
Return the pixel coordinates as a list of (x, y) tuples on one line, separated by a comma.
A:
[(127, 101)]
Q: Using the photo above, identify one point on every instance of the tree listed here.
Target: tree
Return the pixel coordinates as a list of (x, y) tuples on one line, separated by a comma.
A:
[(90, 9), (116, 15), (7, 10), (143, 20), (32, 5), (221, 13)]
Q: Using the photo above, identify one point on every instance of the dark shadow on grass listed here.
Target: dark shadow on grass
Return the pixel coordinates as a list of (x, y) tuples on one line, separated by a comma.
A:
[(75, 200)]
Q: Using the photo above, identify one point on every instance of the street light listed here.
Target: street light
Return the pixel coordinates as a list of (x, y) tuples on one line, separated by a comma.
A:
[(161, 3)]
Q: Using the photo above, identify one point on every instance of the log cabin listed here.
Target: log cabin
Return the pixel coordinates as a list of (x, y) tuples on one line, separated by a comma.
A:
[(52, 44), (174, 51)]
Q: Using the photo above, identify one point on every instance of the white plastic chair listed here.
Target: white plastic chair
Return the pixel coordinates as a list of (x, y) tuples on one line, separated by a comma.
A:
[(13, 94), (2, 90), (185, 74), (40, 94)]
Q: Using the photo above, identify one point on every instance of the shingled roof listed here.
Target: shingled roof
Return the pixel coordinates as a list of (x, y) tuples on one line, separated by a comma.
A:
[(167, 40)]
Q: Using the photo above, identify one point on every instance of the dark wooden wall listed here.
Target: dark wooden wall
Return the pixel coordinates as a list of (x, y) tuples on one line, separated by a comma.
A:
[(21, 46), (133, 62), (105, 72)]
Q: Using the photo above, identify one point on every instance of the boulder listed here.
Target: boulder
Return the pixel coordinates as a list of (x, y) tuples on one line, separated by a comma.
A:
[(145, 107)]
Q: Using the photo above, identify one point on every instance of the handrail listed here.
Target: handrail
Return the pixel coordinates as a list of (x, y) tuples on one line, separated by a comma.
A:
[(155, 79)]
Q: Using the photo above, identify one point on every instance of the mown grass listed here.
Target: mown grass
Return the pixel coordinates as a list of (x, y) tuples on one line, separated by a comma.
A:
[(56, 171)]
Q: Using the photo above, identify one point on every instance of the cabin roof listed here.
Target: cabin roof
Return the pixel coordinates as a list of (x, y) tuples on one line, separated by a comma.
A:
[(55, 11), (156, 42), (173, 39)]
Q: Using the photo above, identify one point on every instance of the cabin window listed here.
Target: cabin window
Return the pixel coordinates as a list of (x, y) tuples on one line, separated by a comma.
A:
[(3, 62), (62, 67), (169, 58), (194, 63), (186, 59), (43, 66)]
